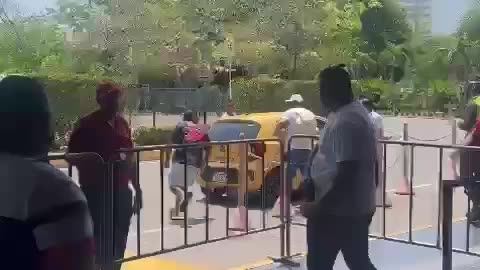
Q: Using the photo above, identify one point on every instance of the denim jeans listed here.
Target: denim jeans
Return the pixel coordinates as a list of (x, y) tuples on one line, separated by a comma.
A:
[(297, 160), (327, 235)]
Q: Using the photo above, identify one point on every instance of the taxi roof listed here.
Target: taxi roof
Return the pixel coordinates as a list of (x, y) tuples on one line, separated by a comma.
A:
[(253, 117)]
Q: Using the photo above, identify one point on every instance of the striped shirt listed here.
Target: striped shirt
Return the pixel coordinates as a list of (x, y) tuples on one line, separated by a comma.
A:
[(42, 212)]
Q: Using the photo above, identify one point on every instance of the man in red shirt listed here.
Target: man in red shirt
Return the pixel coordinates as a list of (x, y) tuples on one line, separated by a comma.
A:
[(105, 132)]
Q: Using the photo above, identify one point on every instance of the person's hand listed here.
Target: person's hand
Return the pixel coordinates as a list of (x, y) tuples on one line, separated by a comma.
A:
[(307, 209), (137, 201)]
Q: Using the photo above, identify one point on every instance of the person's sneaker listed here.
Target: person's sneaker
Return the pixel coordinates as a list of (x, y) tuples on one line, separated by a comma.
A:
[(184, 203), (473, 215)]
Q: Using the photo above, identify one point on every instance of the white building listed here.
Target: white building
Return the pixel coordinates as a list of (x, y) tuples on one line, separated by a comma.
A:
[(419, 14)]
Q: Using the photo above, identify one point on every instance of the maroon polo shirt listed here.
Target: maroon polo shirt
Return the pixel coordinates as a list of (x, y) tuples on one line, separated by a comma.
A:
[(94, 133)]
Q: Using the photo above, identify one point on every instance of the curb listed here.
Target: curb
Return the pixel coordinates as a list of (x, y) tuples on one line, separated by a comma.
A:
[(424, 115)]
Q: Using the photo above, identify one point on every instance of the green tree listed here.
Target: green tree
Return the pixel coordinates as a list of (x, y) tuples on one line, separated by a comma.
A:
[(33, 44), (383, 24), (470, 24)]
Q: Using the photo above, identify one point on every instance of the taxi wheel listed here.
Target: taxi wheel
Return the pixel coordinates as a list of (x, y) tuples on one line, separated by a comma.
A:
[(272, 189), (215, 193)]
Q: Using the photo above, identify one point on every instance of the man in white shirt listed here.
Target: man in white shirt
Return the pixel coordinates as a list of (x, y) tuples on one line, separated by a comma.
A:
[(377, 121), (297, 121), (231, 111)]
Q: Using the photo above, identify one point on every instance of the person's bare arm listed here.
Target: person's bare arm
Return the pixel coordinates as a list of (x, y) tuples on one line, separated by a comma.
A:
[(281, 125), (382, 135), (468, 141), (470, 117)]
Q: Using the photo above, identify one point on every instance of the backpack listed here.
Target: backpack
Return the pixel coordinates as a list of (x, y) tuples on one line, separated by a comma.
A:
[(194, 134), (189, 133)]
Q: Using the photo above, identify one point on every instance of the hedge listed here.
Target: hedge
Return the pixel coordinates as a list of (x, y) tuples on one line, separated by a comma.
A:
[(153, 136), (265, 94), (73, 95), (70, 98)]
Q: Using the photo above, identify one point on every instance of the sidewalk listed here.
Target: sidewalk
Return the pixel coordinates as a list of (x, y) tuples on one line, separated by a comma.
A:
[(388, 255)]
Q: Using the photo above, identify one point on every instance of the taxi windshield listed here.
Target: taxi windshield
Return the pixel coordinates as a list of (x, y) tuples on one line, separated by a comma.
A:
[(225, 131)]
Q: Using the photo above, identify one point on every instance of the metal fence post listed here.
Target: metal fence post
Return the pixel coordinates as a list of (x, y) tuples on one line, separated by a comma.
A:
[(453, 122), (447, 203), (404, 149), (405, 189), (154, 118), (242, 218)]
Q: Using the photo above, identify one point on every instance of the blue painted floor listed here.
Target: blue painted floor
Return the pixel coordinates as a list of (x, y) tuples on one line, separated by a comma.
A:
[(388, 255)]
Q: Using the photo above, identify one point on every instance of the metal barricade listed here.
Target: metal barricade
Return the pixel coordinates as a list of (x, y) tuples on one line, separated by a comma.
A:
[(244, 153), (98, 169), (444, 203)]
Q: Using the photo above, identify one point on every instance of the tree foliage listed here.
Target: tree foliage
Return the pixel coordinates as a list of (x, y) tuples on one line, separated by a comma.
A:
[(170, 41)]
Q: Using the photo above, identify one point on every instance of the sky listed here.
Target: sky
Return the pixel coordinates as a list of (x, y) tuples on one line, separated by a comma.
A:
[(445, 13)]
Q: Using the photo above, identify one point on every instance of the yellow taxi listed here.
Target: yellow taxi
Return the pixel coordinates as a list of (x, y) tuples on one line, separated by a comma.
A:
[(217, 180)]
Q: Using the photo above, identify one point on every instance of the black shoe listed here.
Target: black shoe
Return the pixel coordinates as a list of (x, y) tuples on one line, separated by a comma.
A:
[(184, 203), (473, 215)]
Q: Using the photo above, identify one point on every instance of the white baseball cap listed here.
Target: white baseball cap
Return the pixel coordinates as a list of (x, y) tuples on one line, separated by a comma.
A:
[(295, 98)]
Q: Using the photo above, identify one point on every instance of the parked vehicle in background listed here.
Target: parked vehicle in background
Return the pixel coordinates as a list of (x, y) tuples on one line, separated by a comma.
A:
[(218, 181)]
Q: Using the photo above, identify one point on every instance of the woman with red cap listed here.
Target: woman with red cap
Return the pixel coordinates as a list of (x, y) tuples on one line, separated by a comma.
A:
[(105, 132)]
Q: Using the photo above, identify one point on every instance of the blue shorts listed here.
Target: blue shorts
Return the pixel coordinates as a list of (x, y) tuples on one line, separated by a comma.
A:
[(297, 160)]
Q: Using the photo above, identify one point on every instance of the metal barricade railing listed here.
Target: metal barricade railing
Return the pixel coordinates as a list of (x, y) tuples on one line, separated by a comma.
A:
[(274, 145), (444, 203), (97, 168)]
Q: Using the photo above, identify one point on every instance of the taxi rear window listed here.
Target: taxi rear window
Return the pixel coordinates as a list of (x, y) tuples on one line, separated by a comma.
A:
[(231, 131)]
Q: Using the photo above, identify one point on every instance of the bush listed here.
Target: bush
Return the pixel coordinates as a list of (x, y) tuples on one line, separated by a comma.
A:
[(269, 95), (153, 136), (378, 88), (71, 96)]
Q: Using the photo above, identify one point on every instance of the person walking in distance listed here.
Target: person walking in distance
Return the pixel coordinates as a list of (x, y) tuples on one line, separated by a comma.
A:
[(377, 121), (296, 121), (187, 131), (472, 111), (231, 111), (343, 175), (105, 132), (44, 218)]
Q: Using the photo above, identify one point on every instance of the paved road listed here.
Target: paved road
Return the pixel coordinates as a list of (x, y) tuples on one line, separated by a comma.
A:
[(238, 251)]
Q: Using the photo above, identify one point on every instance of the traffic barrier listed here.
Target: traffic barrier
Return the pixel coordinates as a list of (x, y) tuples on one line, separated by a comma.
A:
[(444, 218), (443, 239), (241, 222)]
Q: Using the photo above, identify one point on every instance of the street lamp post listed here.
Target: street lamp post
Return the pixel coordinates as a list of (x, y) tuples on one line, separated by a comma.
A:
[(230, 73)]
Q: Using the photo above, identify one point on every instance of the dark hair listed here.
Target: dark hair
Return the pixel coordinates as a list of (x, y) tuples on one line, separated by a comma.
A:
[(189, 115), (336, 85), (26, 118)]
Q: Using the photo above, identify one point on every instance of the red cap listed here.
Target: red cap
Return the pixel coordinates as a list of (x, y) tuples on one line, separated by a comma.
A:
[(107, 90)]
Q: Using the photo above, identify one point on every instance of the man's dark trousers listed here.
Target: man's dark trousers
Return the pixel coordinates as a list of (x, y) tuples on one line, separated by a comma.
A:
[(327, 235), (110, 235)]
